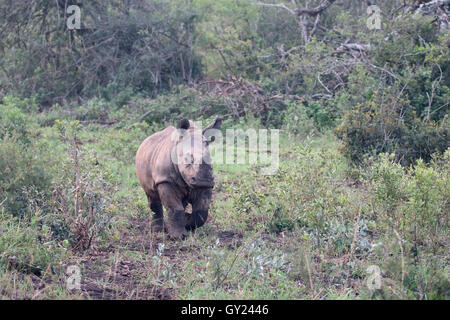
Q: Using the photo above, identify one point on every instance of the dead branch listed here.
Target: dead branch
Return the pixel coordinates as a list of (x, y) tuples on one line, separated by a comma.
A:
[(301, 14), (274, 5), (431, 7), (238, 88), (144, 115), (433, 92), (439, 8), (299, 11), (317, 10)]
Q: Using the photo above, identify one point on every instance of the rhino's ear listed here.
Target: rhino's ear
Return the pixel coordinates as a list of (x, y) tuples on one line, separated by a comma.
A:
[(215, 125), (183, 124)]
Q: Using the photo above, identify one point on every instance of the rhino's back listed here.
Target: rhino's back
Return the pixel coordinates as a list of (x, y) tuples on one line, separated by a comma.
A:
[(153, 163)]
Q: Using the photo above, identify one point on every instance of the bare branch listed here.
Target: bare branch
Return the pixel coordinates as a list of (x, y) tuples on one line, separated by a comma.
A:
[(299, 11), (315, 26), (433, 92), (382, 69), (313, 12), (444, 105), (302, 14), (275, 5), (427, 8), (320, 81), (144, 115)]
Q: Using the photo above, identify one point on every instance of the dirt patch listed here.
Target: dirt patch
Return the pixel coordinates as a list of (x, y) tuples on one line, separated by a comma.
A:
[(120, 280), (230, 238), (137, 236), (122, 287), (112, 272)]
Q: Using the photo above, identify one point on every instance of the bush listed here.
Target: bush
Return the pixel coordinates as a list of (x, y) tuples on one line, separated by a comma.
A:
[(388, 123), (27, 245), (410, 207), (24, 173), (73, 198), (83, 190), (134, 51), (13, 121), (279, 204), (301, 119)]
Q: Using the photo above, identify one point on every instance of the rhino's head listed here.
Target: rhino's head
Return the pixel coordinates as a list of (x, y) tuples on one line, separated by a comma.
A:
[(192, 154)]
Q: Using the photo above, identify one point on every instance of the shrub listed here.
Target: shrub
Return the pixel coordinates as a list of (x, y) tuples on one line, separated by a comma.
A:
[(83, 191), (306, 195), (26, 245), (410, 207), (296, 120), (24, 173), (388, 123), (13, 121), (129, 55)]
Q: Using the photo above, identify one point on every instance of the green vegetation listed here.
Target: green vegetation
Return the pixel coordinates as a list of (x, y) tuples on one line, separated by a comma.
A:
[(364, 149)]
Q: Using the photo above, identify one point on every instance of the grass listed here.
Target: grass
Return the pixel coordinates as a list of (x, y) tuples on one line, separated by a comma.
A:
[(309, 232)]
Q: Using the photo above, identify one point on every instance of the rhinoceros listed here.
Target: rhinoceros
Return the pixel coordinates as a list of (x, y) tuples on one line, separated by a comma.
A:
[(174, 168)]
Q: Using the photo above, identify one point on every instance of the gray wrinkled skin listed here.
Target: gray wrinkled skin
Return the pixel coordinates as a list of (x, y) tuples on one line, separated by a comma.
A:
[(174, 168)]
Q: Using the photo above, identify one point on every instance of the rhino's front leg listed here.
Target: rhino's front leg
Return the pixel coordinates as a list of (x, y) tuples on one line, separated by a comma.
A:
[(170, 198), (200, 199)]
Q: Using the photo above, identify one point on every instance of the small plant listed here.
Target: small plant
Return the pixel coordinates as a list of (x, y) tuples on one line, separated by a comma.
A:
[(82, 192), (279, 221), (164, 270), (260, 260), (388, 123)]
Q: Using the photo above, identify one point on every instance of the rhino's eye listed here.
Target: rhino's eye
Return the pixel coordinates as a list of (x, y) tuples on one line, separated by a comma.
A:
[(187, 159)]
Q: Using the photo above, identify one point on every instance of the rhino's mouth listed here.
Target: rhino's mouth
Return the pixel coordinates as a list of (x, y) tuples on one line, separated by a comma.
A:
[(201, 183)]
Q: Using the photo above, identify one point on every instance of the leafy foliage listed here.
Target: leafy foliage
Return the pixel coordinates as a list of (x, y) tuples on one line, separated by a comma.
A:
[(364, 158)]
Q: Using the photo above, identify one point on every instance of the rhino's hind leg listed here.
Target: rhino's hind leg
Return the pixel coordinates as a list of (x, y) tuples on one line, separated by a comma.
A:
[(157, 224), (175, 210)]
